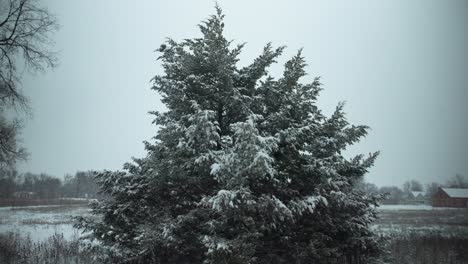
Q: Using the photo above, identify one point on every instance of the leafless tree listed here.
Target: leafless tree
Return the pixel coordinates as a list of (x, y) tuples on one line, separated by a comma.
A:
[(10, 152), (412, 186), (458, 181), (25, 30)]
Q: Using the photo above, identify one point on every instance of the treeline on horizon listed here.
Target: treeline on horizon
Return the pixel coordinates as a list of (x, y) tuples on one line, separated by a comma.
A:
[(82, 184), (44, 186), (404, 194)]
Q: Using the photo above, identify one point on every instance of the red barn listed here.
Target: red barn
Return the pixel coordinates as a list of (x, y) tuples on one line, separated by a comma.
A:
[(450, 197)]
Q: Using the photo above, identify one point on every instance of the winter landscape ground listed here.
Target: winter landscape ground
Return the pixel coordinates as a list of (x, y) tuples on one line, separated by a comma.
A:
[(417, 234), (40, 222)]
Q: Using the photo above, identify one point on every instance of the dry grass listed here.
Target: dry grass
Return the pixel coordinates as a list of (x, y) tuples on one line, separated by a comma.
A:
[(57, 250), (50, 208), (45, 222), (412, 249), (428, 249), (34, 202), (425, 236), (416, 237)]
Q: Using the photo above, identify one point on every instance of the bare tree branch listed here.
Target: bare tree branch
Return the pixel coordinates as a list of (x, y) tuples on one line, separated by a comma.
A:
[(9, 150), (25, 30), (24, 41)]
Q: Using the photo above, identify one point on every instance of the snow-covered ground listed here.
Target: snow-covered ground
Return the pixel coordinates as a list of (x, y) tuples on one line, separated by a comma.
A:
[(422, 219), (415, 207), (40, 222)]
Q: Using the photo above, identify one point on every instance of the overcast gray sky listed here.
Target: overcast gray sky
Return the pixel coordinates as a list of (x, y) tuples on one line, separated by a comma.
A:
[(402, 67)]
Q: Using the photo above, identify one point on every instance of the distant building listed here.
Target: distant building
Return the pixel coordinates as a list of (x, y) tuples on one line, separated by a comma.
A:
[(417, 197), (450, 197)]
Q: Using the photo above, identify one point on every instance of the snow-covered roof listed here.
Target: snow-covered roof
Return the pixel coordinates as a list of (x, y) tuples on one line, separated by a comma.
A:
[(456, 192), (416, 194)]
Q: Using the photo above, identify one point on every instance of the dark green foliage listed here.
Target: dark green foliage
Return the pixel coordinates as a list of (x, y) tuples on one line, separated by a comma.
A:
[(244, 169)]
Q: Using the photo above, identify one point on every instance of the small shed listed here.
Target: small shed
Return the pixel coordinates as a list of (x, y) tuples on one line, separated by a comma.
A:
[(450, 197)]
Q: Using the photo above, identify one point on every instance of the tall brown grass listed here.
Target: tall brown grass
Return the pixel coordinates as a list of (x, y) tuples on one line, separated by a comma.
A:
[(34, 202), (407, 249), (428, 249), (56, 250)]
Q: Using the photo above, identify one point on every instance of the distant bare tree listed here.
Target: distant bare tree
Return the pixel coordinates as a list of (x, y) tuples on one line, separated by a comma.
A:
[(412, 186), (81, 185), (431, 189), (367, 187), (458, 181), (9, 150), (25, 29), (394, 195), (7, 183)]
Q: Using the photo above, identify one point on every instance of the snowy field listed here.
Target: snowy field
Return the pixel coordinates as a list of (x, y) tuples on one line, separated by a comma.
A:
[(41, 222), (422, 219)]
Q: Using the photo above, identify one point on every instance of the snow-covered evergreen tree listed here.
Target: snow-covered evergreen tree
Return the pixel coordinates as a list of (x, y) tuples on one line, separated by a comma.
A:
[(244, 169)]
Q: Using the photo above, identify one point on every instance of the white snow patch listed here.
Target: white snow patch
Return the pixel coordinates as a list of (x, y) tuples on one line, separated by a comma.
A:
[(41, 222), (215, 168)]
